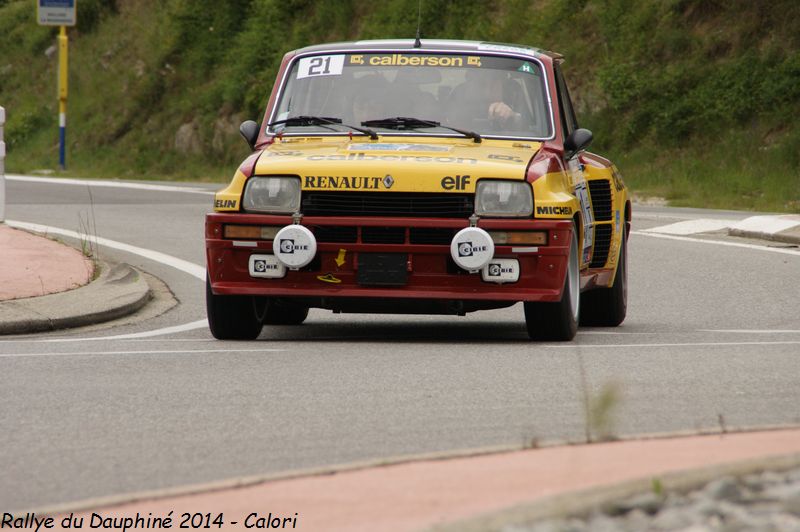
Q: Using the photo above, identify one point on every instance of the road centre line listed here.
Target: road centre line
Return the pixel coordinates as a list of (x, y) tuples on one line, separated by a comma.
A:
[(146, 352), (199, 324), (783, 251), (106, 184)]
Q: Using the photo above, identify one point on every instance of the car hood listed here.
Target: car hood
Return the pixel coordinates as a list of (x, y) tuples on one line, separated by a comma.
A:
[(420, 164)]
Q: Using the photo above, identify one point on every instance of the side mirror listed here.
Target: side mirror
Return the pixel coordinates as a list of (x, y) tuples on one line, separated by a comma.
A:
[(249, 130), (578, 140)]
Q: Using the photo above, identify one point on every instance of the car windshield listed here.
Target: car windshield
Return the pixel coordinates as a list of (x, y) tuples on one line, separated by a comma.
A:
[(489, 95)]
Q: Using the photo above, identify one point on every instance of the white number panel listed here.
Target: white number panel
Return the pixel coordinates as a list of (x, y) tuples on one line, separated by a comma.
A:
[(320, 65)]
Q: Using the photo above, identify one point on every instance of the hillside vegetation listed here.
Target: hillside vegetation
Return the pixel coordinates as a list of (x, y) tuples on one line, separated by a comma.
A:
[(695, 100)]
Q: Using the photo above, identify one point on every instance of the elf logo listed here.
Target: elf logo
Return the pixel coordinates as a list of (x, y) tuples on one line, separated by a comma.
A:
[(554, 211), (458, 182)]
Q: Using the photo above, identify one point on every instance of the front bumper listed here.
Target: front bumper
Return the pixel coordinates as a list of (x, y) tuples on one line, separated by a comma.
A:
[(432, 274)]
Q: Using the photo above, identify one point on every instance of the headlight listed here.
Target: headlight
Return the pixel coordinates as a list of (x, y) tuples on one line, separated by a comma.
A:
[(280, 195), (496, 197)]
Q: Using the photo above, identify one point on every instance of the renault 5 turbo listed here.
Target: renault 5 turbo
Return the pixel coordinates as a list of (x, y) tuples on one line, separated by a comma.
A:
[(433, 177)]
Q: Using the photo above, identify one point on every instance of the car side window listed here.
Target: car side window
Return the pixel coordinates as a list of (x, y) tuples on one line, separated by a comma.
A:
[(565, 109)]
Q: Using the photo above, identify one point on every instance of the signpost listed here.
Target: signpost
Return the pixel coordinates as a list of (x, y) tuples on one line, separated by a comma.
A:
[(59, 13)]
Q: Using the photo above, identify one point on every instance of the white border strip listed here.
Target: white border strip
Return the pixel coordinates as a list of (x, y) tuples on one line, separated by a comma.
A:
[(143, 352), (107, 184), (783, 251), (179, 264)]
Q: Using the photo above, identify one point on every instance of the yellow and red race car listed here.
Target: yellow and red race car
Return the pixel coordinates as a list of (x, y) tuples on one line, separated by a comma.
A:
[(440, 177)]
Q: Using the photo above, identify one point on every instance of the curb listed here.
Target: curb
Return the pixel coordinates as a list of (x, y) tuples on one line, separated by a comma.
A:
[(120, 290), (791, 236), (584, 502), (780, 228), (348, 467)]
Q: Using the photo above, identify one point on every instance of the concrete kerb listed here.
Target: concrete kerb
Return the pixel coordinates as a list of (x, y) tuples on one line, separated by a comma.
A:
[(776, 228), (583, 502), (119, 290), (251, 480)]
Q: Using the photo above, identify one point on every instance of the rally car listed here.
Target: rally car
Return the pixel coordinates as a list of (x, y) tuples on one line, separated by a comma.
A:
[(433, 177)]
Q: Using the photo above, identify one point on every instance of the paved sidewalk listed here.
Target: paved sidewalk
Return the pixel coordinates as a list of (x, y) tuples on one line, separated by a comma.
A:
[(32, 265), (780, 228), (483, 492), (46, 285)]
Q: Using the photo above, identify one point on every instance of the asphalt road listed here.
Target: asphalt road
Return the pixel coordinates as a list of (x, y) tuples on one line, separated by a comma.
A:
[(712, 335)]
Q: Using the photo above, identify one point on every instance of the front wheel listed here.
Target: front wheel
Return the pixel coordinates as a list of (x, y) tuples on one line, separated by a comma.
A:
[(607, 307), (233, 317), (558, 321)]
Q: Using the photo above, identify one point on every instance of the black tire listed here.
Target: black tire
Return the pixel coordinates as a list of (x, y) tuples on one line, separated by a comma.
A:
[(558, 321), (281, 313), (233, 317), (607, 307)]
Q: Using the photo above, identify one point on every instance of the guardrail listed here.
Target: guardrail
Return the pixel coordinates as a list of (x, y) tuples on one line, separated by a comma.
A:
[(2, 167)]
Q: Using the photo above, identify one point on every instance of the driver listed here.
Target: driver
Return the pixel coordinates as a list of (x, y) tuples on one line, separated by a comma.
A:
[(487, 95)]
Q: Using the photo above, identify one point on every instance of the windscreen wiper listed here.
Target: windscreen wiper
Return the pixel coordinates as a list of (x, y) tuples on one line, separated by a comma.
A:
[(405, 122), (324, 121)]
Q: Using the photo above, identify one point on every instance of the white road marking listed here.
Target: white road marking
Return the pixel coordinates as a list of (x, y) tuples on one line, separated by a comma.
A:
[(690, 227), (686, 344), (179, 264), (753, 331), (199, 324), (147, 352), (783, 251), (107, 184)]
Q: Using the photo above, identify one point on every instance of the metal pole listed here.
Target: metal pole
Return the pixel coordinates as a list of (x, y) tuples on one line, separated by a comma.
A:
[(62, 97), (2, 167)]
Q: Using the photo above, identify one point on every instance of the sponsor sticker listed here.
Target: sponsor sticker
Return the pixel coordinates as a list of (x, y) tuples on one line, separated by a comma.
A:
[(506, 48), (227, 204), (329, 278), (527, 68), (418, 60), (553, 210), (501, 271), (385, 146), (472, 248), (509, 158), (295, 246), (459, 182), (266, 266), (393, 158)]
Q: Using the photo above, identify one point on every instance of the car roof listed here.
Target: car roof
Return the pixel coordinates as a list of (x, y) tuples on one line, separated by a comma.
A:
[(430, 44)]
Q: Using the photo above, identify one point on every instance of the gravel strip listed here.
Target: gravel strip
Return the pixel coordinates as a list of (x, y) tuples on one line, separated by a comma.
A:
[(765, 502)]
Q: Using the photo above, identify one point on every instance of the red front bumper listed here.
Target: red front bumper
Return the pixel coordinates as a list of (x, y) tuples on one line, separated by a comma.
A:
[(431, 272)]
